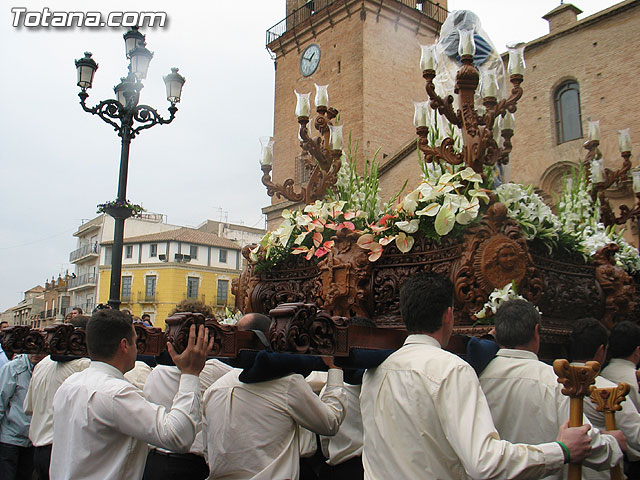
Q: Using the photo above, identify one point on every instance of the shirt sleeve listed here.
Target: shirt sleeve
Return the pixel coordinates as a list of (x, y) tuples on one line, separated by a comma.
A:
[(7, 389), (322, 414), (628, 421), (173, 429), (467, 423), (605, 451)]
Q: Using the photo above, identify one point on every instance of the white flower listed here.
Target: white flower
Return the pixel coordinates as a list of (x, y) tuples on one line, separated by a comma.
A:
[(410, 227)]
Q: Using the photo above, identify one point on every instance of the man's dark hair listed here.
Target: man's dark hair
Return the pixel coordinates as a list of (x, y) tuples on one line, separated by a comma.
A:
[(4, 324), (257, 321), (79, 321), (105, 329), (146, 315), (587, 336), (515, 323), (624, 339), (78, 309), (424, 298), (193, 306)]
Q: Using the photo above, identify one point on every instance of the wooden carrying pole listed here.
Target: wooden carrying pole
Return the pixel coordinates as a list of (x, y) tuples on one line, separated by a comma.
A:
[(608, 400), (576, 380)]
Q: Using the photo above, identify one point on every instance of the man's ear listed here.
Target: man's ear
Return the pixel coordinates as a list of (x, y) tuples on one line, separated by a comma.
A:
[(124, 345), (447, 317)]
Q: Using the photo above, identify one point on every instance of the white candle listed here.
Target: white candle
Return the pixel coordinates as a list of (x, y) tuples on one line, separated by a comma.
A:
[(428, 57), (594, 130), (267, 151), (509, 121), (420, 114), (490, 84), (322, 95), (624, 140), (516, 64), (466, 46), (335, 137), (597, 171), (636, 180), (303, 104)]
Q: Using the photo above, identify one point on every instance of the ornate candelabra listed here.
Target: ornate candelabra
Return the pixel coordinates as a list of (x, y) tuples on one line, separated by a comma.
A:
[(480, 146), (325, 151), (603, 178), (123, 113)]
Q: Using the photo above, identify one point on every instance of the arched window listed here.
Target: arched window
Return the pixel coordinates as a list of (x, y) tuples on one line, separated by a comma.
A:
[(568, 117)]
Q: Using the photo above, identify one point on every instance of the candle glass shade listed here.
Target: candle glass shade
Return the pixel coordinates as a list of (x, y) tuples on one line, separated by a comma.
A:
[(428, 57), (635, 175), (509, 121), (624, 140), (421, 114), (497, 129), (266, 157), (466, 45), (597, 171), (322, 95), (516, 64), (490, 84), (335, 137), (303, 104), (594, 130)]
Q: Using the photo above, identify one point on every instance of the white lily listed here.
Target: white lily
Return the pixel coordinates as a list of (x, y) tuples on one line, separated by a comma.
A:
[(410, 227)]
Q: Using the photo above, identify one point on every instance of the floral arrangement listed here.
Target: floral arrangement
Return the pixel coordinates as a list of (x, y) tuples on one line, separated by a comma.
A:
[(578, 213), (135, 209), (497, 298), (230, 318)]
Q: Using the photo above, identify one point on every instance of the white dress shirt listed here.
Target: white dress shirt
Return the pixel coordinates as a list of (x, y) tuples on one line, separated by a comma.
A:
[(425, 416), (621, 370), (102, 425), (347, 443), (627, 421), (527, 405), (47, 377), (138, 374), (163, 382), (252, 428)]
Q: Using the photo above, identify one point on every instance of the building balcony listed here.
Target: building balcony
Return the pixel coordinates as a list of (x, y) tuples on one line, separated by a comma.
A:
[(88, 280), (145, 297), (84, 253), (311, 9)]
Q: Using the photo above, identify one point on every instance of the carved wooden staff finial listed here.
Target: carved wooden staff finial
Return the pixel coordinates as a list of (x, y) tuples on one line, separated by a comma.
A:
[(608, 400), (576, 380)]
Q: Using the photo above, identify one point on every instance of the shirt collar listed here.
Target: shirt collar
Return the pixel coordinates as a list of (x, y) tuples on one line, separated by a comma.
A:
[(515, 353), (622, 361), (423, 339), (106, 368)]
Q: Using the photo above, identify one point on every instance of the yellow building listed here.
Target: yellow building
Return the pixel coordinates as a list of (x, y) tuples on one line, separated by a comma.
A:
[(161, 269)]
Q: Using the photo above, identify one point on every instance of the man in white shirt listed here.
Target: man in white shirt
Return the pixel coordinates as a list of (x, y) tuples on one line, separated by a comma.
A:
[(624, 350), (162, 385), (252, 428), (589, 342), (103, 424), (424, 413), (525, 398), (47, 378)]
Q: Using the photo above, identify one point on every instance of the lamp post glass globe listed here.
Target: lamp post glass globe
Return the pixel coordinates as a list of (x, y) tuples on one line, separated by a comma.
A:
[(140, 59), (86, 68), (174, 82), (132, 39)]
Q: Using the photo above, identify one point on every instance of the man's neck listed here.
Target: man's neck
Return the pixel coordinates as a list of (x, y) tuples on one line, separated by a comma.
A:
[(114, 363)]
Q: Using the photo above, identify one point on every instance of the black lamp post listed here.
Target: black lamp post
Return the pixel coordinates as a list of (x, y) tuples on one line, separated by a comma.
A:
[(128, 119)]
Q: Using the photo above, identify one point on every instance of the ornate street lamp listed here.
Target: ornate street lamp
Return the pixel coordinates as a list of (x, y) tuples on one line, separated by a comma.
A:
[(128, 118)]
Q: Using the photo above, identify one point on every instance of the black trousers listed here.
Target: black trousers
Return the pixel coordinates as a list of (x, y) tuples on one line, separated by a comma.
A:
[(41, 461), (350, 470), (175, 466), (16, 463)]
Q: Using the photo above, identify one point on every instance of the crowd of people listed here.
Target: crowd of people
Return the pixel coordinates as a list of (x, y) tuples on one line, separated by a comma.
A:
[(417, 412)]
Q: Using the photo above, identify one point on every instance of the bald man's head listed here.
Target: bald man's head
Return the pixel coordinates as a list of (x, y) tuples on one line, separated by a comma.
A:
[(254, 321)]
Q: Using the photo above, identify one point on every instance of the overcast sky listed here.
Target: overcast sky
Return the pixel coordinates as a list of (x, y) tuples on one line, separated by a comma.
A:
[(58, 162)]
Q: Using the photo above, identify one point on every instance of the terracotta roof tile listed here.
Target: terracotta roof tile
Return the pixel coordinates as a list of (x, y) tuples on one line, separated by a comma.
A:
[(184, 234)]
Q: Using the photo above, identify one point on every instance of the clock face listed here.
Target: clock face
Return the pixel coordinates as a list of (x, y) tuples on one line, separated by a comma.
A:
[(310, 59)]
